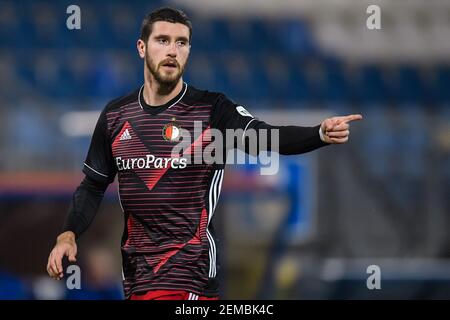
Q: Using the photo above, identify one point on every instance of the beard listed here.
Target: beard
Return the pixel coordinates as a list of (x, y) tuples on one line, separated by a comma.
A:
[(167, 81)]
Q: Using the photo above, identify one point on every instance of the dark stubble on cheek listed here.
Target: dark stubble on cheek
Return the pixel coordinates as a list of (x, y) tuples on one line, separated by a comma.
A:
[(166, 85)]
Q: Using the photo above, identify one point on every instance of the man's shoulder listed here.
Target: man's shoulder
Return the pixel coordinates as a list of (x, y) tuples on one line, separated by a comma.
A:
[(129, 98), (200, 96)]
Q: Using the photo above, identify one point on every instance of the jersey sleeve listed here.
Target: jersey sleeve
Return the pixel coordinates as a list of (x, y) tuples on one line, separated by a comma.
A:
[(291, 139), (99, 164), (230, 115), (84, 205)]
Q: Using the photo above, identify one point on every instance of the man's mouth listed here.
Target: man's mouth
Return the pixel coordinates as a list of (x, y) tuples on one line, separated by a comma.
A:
[(170, 65)]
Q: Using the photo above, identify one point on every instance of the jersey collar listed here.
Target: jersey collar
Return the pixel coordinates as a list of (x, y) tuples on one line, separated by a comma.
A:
[(160, 108)]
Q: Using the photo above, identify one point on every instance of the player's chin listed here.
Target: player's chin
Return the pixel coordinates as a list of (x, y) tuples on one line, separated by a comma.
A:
[(170, 77)]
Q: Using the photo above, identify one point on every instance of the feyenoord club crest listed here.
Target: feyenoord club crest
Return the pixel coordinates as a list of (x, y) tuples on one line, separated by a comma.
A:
[(171, 131)]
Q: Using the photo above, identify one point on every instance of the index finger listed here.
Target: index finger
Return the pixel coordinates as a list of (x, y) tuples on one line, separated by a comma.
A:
[(351, 117), (51, 266)]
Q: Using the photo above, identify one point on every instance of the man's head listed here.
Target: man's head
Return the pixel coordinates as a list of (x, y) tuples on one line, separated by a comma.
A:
[(164, 44)]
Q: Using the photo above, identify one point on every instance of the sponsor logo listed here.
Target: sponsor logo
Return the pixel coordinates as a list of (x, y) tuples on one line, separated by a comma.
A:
[(125, 135), (150, 161)]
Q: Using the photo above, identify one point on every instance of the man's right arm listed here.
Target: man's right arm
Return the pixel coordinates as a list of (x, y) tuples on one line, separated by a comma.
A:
[(100, 171), (83, 209), (84, 205)]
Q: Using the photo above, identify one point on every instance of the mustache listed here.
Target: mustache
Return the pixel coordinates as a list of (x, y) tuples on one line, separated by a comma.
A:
[(169, 61)]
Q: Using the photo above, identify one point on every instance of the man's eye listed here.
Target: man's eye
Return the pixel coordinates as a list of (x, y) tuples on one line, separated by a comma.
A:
[(181, 43), (163, 41)]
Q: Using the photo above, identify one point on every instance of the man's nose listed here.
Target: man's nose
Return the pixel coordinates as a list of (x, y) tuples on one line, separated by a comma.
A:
[(172, 50)]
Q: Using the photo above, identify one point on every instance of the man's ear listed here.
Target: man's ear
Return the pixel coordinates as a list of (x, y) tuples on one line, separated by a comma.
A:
[(140, 45)]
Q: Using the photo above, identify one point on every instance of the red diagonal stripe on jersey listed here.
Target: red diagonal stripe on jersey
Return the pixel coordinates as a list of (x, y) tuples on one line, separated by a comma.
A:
[(156, 175), (139, 150), (152, 176), (117, 139), (167, 256), (200, 142), (196, 239)]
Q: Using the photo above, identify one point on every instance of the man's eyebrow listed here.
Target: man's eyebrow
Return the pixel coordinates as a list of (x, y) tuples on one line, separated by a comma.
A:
[(183, 39), (159, 36), (165, 36)]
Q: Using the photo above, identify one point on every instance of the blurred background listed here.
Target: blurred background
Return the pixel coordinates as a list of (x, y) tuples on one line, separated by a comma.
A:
[(309, 232)]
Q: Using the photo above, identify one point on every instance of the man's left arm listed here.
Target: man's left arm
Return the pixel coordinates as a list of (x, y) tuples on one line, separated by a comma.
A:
[(291, 139)]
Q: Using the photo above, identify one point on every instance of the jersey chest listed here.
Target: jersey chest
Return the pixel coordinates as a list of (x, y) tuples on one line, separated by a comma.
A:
[(145, 141)]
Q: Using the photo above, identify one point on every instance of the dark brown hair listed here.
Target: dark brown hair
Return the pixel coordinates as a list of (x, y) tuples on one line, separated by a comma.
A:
[(164, 14)]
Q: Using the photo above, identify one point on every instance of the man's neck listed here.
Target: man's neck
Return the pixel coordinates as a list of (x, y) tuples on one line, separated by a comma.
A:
[(153, 95)]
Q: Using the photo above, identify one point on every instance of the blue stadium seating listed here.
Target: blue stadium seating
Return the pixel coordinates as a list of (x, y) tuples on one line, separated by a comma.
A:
[(259, 62)]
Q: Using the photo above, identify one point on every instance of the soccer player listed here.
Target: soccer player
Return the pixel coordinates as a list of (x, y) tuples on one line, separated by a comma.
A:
[(169, 247)]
